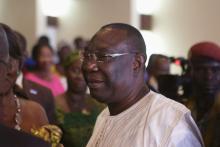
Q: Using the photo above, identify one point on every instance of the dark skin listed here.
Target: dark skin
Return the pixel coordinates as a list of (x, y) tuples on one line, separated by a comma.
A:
[(108, 83), (44, 63), (8, 105), (9, 67), (3, 45), (74, 99), (206, 81), (162, 66)]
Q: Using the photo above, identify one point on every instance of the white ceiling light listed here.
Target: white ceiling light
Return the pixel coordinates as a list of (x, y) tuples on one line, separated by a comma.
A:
[(55, 8), (147, 6)]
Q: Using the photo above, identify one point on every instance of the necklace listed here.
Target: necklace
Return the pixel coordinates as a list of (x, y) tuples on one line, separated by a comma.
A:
[(17, 114)]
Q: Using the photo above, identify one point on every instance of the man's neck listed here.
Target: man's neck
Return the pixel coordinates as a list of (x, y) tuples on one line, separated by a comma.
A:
[(118, 107)]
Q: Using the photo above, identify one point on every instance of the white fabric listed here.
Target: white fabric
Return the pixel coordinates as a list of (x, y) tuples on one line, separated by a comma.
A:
[(154, 121), (63, 81), (19, 80)]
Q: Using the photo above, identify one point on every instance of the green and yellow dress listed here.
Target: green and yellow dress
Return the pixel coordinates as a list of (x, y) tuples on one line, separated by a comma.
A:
[(78, 126)]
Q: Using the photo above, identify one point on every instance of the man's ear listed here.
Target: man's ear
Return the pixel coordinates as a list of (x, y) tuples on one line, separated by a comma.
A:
[(139, 62)]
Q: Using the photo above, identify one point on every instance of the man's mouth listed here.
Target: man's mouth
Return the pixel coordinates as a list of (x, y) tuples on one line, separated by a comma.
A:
[(95, 84)]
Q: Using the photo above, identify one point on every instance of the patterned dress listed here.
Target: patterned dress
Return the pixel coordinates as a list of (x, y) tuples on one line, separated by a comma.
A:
[(78, 126)]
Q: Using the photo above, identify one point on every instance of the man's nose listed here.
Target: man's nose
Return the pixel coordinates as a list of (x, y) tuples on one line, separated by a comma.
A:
[(90, 66)]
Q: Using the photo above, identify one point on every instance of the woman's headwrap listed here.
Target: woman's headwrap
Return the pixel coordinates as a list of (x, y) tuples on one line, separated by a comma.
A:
[(70, 59)]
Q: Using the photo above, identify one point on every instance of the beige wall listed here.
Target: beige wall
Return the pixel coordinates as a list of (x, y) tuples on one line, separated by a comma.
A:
[(178, 23), (181, 23), (21, 16), (87, 16)]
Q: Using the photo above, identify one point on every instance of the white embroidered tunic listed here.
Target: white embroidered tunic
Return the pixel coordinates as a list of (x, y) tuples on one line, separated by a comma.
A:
[(154, 121)]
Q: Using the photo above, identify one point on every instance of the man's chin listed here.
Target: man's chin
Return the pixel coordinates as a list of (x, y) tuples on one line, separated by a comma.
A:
[(98, 95)]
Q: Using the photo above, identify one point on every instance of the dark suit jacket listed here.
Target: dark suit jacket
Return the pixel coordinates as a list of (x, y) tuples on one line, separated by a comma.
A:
[(10, 137), (39, 94)]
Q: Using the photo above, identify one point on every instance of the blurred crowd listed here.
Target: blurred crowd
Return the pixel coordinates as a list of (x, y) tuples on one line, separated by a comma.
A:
[(39, 91)]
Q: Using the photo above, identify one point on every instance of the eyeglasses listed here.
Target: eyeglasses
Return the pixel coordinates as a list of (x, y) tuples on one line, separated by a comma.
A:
[(100, 57)]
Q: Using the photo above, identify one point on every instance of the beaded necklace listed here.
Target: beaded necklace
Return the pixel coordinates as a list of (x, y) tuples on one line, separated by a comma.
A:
[(17, 114)]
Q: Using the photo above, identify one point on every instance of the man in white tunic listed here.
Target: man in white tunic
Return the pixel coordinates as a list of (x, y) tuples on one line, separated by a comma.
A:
[(114, 66)]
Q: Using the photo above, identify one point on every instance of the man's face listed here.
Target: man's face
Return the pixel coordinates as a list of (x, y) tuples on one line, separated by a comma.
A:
[(112, 79), (206, 76)]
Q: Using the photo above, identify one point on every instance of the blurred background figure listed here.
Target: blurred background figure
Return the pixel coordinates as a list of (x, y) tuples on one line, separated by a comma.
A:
[(177, 86), (63, 52), (77, 111), (33, 91), (29, 63), (79, 43), (44, 40), (42, 54), (204, 59), (158, 65)]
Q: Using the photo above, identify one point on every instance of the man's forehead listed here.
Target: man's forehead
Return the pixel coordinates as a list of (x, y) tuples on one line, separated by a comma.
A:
[(110, 38)]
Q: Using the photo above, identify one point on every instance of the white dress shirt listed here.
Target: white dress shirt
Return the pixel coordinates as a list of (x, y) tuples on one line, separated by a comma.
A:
[(154, 121)]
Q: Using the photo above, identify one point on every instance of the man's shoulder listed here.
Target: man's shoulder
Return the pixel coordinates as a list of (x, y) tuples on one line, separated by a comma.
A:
[(163, 103), (166, 115), (104, 113), (166, 112)]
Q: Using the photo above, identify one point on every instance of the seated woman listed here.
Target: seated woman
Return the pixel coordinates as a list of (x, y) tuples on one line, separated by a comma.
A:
[(76, 110), (43, 75), (15, 112)]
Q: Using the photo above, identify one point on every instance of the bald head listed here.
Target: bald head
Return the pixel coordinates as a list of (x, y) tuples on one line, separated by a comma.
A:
[(123, 34), (4, 47)]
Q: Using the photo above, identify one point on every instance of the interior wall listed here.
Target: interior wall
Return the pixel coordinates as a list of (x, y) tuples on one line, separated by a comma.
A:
[(21, 16), (182, 23), (176, 25), (87, 16)]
